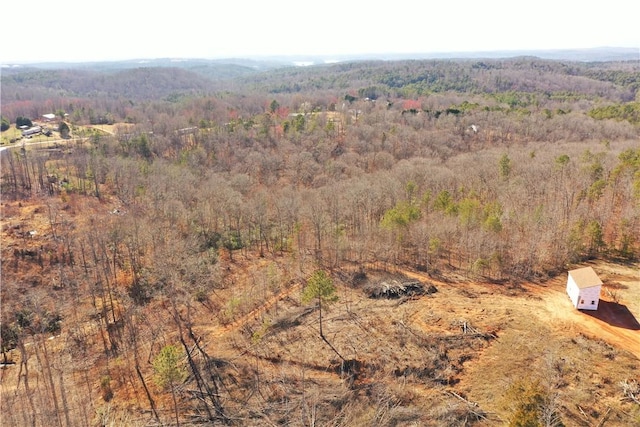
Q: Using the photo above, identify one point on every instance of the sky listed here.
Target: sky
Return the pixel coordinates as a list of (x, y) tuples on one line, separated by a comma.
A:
[(77, 31)]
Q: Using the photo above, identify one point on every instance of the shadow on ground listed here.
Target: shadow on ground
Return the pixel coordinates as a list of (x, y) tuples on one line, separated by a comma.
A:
[(615, 314)]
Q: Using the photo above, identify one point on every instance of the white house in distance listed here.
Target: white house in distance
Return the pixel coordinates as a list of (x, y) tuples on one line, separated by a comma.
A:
[(583, 287)]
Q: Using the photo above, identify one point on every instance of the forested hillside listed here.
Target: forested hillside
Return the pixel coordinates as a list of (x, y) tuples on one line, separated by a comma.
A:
[(172, 242)]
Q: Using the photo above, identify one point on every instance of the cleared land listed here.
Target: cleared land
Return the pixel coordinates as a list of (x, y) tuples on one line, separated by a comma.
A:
[(458, 348)]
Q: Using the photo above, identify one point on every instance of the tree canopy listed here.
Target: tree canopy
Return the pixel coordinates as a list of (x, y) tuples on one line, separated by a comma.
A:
[(319, 287)]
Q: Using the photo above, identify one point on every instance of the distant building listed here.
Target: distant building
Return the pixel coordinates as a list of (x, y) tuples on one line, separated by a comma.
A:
[(583, 287), (187, 131), (32, 131), (49, 117)]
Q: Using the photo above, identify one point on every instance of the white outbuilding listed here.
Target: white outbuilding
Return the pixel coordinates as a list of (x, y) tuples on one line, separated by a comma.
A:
[(583, 287)]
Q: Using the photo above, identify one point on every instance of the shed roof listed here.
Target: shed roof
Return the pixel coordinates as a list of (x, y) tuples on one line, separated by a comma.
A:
[(585, 277)]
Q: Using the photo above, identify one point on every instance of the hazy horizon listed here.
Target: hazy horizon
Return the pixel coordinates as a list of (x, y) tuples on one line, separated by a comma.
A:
[(343, 57), (76, 32)]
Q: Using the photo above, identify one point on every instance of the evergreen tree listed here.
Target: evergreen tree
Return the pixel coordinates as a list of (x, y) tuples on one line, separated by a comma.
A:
[(320, 287), (169, 373), (64, 130), (5, 124)]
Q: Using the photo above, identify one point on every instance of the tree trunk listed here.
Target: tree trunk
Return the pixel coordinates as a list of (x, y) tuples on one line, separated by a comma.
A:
[(146, 390), (175, 405), (322, 333)]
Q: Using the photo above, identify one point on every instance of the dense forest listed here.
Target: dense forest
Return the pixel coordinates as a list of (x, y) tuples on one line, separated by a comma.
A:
[(185, 198)]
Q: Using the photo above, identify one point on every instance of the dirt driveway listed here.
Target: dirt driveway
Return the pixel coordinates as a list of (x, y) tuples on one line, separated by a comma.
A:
[(612, 322), (617, 323)]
